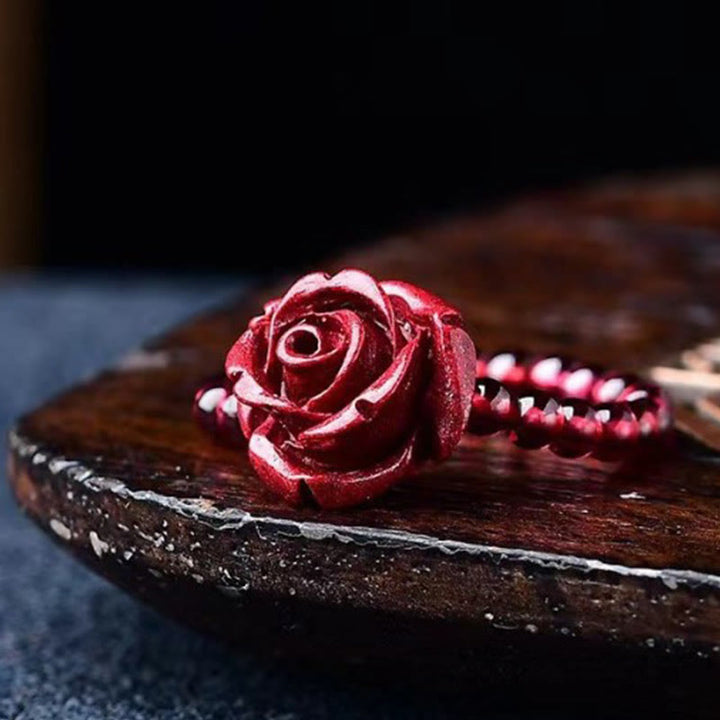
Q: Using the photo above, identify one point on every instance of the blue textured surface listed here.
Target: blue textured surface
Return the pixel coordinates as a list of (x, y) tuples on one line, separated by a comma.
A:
[(71, 645)]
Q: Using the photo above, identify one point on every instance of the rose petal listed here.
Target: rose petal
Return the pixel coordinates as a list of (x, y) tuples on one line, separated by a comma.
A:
[(280, 474), (250, 418), (452, 384), (249, 352), (333, 490), (420, 304), (306, 372), (449, 396), (319, 292), (287, 475), (375, 422), (249, 392), (367, 355)]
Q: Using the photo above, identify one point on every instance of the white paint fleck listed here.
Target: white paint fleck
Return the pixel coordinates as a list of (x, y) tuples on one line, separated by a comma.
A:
[(127, 554), (58, 465), (198, 578), (489, 616), (632, 496), (99, 546), (531, 628), (60, 529), (650, 642), (143, 535)]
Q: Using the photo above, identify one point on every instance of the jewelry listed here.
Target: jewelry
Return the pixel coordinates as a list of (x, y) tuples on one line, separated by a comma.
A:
[(346, 385)]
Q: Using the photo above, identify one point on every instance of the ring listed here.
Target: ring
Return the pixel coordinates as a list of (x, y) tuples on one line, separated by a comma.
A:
[(346, 385)]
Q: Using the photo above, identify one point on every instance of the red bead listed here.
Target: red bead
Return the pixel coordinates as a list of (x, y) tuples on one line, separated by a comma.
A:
[(540, 421), (619, 431), (578, 381), (664, 413), (228, 426), (580, 429), (652, 409), (506, 367), (547, 373), (208, 399), (612, 386), (216, 410), (493, 408)]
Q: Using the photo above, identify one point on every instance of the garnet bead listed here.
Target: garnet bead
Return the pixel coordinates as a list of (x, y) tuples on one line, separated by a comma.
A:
[(540, 421), (228, 426), (581, 430), (610, 387), (208, 399), (493, 408), (652, 410), (507, 367), (619, 430), (578, 381), (547, 373), (216, 411)]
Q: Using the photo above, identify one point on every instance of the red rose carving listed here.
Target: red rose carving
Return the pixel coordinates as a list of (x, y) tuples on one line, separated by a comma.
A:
[(345, 385)]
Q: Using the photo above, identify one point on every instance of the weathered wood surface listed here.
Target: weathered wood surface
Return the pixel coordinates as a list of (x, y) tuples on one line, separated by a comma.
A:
[(501, 562)]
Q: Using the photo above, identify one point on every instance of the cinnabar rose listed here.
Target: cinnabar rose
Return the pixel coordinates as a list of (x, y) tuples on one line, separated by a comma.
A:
[(345, 385)]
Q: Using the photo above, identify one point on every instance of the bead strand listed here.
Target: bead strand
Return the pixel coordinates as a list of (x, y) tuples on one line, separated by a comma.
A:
[(216, 410), (572, 408)]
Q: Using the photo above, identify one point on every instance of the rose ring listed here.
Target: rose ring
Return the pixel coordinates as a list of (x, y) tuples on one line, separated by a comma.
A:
[(346, 385)]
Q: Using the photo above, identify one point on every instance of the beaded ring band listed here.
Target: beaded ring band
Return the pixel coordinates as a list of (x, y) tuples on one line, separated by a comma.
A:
[(572, 408), (346, 385)]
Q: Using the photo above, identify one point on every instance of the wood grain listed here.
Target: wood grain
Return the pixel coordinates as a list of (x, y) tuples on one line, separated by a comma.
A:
[(501, 563)]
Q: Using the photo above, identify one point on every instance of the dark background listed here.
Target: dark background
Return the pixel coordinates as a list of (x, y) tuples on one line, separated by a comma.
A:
[(225, 136)]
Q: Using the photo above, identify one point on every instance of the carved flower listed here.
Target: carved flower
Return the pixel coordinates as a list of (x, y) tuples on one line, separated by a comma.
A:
[(345, 385)]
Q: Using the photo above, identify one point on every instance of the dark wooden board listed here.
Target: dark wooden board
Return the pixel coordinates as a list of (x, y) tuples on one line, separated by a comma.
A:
[(503, 563)]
